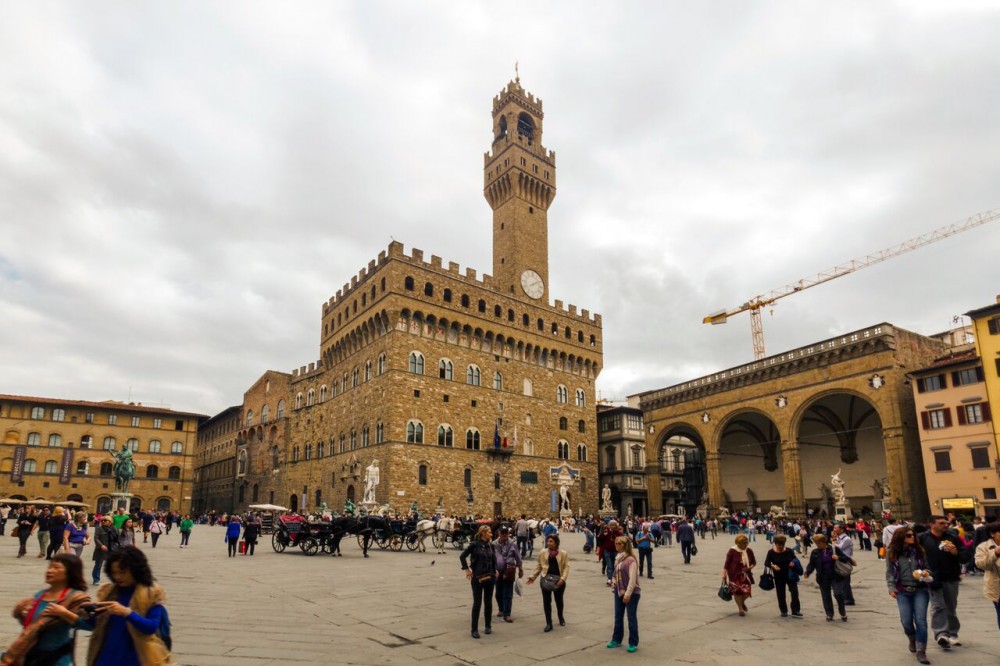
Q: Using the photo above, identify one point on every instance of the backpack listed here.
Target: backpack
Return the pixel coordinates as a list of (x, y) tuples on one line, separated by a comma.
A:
[(164, 630)]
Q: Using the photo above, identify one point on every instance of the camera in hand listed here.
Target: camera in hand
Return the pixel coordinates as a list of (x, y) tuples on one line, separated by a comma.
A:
[(93, 609)]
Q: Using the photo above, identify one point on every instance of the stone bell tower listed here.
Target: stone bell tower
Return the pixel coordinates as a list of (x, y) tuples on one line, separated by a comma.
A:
[(520, 184)]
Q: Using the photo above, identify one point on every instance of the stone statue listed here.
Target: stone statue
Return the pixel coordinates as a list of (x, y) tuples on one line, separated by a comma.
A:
[(414, 509), (371, 482), (824, 493), (886, 489), (606, 499), (838, 488), (564, 497), (124, 468), (349, 508), (878, 491)]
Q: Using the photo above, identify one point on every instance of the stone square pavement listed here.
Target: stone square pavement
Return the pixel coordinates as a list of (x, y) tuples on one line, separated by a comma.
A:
[(407, 608)]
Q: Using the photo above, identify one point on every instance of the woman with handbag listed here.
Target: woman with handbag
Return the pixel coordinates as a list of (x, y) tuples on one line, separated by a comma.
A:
[(49, 617), (555, 563), (823, 561), (778, 565), (479, 563), (988, 559), (625, 587), (737, 571), (906, 576)]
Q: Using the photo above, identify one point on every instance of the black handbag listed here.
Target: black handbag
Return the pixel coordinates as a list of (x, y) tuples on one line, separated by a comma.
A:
[(766, 581), (694, 549), (724, 592), (549, 582)]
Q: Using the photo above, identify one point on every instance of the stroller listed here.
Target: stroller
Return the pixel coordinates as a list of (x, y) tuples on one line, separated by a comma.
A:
[(588, 545)]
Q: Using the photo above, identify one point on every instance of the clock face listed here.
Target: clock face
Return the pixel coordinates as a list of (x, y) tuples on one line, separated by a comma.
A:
[(532, 284)]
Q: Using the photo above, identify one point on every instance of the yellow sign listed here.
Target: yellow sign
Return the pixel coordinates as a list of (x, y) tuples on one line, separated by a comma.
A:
[(958, 504)]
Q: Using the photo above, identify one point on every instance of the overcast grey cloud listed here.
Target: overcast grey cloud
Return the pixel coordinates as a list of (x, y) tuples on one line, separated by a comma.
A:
[(182, 185)]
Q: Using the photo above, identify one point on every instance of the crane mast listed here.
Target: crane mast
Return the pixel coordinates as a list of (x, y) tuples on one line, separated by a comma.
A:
[(755, 303)]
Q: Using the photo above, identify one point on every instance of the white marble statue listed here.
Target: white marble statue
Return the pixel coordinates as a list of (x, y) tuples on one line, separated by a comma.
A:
[(606, 499), (564, 497), (371, 482), (838, 488)]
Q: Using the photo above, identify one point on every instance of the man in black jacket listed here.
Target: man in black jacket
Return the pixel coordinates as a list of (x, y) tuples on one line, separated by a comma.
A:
[(945, 554)]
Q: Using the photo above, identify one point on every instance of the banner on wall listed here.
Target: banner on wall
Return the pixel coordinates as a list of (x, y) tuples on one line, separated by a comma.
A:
[(17, 470), (66, 467)]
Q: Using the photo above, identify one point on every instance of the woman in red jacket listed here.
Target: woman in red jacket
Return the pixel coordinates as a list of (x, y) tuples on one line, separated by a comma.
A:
[(737, 572)]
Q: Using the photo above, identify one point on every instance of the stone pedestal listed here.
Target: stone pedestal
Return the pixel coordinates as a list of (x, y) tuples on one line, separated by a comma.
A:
[(565, 513), (842, 511), (607, 514), (121, 501)]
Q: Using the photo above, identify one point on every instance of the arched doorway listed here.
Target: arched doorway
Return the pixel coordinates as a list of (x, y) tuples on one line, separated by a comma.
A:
[(163, 504), (750, 462), (293, 503), (135, 505), (74, 498), (350, 493), (683, 478), (104, 504), (840, 431)]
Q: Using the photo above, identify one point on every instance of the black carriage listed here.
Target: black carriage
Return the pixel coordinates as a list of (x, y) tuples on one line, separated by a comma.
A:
[(458, 538)]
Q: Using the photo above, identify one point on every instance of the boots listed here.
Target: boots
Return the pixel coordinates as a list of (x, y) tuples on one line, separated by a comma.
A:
[(913, 643), (922, 654)]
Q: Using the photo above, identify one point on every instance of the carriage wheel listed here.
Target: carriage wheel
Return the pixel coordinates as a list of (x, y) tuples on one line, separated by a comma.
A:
[(361, 540), (309, 546), (382, 540), (328, 545), (412, 542), (396, 542), (278, 543), (459, 541), (437, 540)]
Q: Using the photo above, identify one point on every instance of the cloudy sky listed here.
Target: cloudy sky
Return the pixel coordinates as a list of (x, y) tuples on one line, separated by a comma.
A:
[(183, 184)]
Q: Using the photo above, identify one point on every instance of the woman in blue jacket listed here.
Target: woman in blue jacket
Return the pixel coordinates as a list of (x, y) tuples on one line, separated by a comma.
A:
[(233, 535)]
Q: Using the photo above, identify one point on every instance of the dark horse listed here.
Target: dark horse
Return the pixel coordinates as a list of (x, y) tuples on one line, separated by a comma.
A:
[(365, 526)]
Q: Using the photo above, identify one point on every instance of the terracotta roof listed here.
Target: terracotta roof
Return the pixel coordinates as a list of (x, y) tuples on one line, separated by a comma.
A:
[(952, 359), (111, 405)]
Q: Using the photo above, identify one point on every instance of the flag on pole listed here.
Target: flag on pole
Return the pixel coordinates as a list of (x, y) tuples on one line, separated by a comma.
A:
[(515, 437), (496, 436)]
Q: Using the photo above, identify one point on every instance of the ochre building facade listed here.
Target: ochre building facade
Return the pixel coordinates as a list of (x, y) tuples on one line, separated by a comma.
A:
[(474, 393), (59, 450)]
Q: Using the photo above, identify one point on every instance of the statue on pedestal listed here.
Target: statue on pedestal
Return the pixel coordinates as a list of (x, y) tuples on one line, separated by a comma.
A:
[(563, 497), (606, 499), (349, 508), (371, 482), (838, 488), (124, 468)]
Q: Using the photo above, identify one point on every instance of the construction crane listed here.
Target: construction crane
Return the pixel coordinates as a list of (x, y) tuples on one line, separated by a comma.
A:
[(756, 303)]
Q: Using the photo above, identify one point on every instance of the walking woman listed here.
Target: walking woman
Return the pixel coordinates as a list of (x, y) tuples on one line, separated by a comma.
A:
[(988, 559), (905, 571), (823, 561), (27, 521), (48, 618), (555, 563), (738, 571), (127, 627), (480, 566), (57, 525), (786, 569), (625, 587), (156, 529), (250, 533), (233, 535), (75, 535), (126, 536)]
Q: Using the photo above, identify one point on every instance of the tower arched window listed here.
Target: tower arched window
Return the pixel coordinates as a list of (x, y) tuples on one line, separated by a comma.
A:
[(563, 449), (467, 478), (354, 439), (473, 376), (447, 295), (281, 409), (472, 439), (526, 126), (482, 305), (365, 436), (415, 432), (379, 433), (422, 475), (446, 436), (298, 400), (311, 398), (381, 364), (498, 381), (581, 398), (417, 363), (563, 423), (368, 371), (562, 394), (428, 289), (323, 393), (355, 377), (445, 369), (264, 414), (249, 418), (581, 426), (581, 452), (408, 283), (465, 300)]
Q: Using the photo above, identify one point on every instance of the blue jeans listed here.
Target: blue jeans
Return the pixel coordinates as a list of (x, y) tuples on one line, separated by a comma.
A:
[(997, 604), (609, 563), (913, 613), (633, 621), (646, 554), (96, 574)]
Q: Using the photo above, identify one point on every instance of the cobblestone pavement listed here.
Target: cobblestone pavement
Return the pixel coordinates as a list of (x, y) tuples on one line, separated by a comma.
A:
[(402, 608)]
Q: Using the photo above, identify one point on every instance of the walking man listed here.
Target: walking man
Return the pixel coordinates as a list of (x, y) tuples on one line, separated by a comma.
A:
[(522, 532), (944, 554), (844, 542), (685, 537), (644, 544)]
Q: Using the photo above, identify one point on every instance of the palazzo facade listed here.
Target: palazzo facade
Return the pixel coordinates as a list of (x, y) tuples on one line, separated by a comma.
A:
[(474, 393)]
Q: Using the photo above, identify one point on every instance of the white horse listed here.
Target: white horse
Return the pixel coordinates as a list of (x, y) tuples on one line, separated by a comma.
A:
[(437, 531)]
